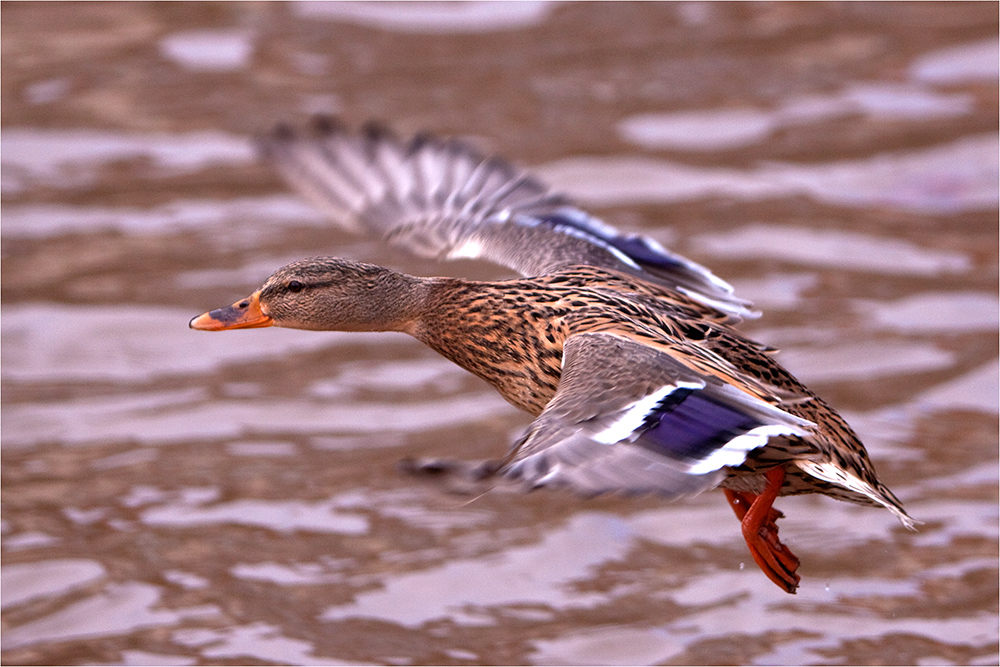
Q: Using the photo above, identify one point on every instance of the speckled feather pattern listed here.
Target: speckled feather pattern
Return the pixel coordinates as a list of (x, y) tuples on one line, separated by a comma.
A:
[(511, 334)]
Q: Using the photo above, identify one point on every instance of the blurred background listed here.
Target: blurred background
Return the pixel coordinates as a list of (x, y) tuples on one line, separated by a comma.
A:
[(177, 497)]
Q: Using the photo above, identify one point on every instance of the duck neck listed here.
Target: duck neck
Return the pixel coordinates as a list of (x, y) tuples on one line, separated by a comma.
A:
[(492, 331), (428, 301), (400, 303)]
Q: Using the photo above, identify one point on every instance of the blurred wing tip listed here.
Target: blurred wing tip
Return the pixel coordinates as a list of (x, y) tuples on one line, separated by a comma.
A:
[(439, 193), (318, 126), (377, 131), (420, 141), (325, 124), (282, 131)]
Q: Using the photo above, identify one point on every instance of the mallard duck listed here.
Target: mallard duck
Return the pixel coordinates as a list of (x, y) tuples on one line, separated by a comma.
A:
[(625, 353)]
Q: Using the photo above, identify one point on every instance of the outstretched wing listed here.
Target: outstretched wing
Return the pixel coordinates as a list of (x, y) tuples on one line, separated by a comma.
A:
[(440, 198), (628, 417)]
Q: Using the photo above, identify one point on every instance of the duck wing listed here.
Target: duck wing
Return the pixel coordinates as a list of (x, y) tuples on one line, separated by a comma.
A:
[(632, 418), (440, 198)]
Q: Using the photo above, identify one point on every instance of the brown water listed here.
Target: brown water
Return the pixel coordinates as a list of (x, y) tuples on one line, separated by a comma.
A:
[(176, 497)]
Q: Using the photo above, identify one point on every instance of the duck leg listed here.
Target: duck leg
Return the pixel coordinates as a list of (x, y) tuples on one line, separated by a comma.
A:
[(458, 477), (757, 518)]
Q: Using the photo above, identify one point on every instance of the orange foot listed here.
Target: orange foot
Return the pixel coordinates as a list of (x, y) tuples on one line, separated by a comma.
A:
[(758, 519)]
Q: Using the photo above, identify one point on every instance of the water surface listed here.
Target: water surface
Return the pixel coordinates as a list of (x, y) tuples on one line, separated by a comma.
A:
[(176, 497)]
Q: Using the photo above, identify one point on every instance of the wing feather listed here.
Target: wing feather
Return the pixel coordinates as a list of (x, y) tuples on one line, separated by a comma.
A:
[(442, 199), (631, 418)]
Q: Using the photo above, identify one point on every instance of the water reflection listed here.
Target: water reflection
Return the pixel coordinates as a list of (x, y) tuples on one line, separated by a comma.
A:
[(944, 179), (256, 215), (46, 342), (976, 391), (162, 418), (259, 641), (862, 362), (118, 609), (281, 516), (74, 158), (954, 312), (464, 590), (974, 61), (847, 250), (439, 18), (46, 578), (707, 130), (611, 646), (212, 50)]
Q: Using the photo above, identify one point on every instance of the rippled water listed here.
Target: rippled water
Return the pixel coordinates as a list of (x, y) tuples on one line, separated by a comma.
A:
[(174, 497)]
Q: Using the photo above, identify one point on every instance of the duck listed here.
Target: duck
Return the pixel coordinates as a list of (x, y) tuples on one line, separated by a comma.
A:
[(626, 354)]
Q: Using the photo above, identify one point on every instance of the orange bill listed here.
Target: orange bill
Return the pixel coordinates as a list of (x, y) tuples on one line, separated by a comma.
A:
[(245, 314)]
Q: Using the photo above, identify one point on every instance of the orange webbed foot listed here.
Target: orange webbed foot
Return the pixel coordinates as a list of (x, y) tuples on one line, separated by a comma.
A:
[(757, 519)]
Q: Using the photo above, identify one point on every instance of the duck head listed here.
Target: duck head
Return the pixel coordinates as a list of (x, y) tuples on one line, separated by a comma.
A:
[(324, 294)]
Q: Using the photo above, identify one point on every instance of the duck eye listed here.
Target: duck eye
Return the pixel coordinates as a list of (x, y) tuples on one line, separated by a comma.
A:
[(295, 286)]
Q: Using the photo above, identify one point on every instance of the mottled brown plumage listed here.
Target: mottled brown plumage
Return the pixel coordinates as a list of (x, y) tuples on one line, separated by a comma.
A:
[(625, 353)]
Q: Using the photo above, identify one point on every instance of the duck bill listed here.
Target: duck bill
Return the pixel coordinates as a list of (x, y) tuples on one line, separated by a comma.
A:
[(245, 314)]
